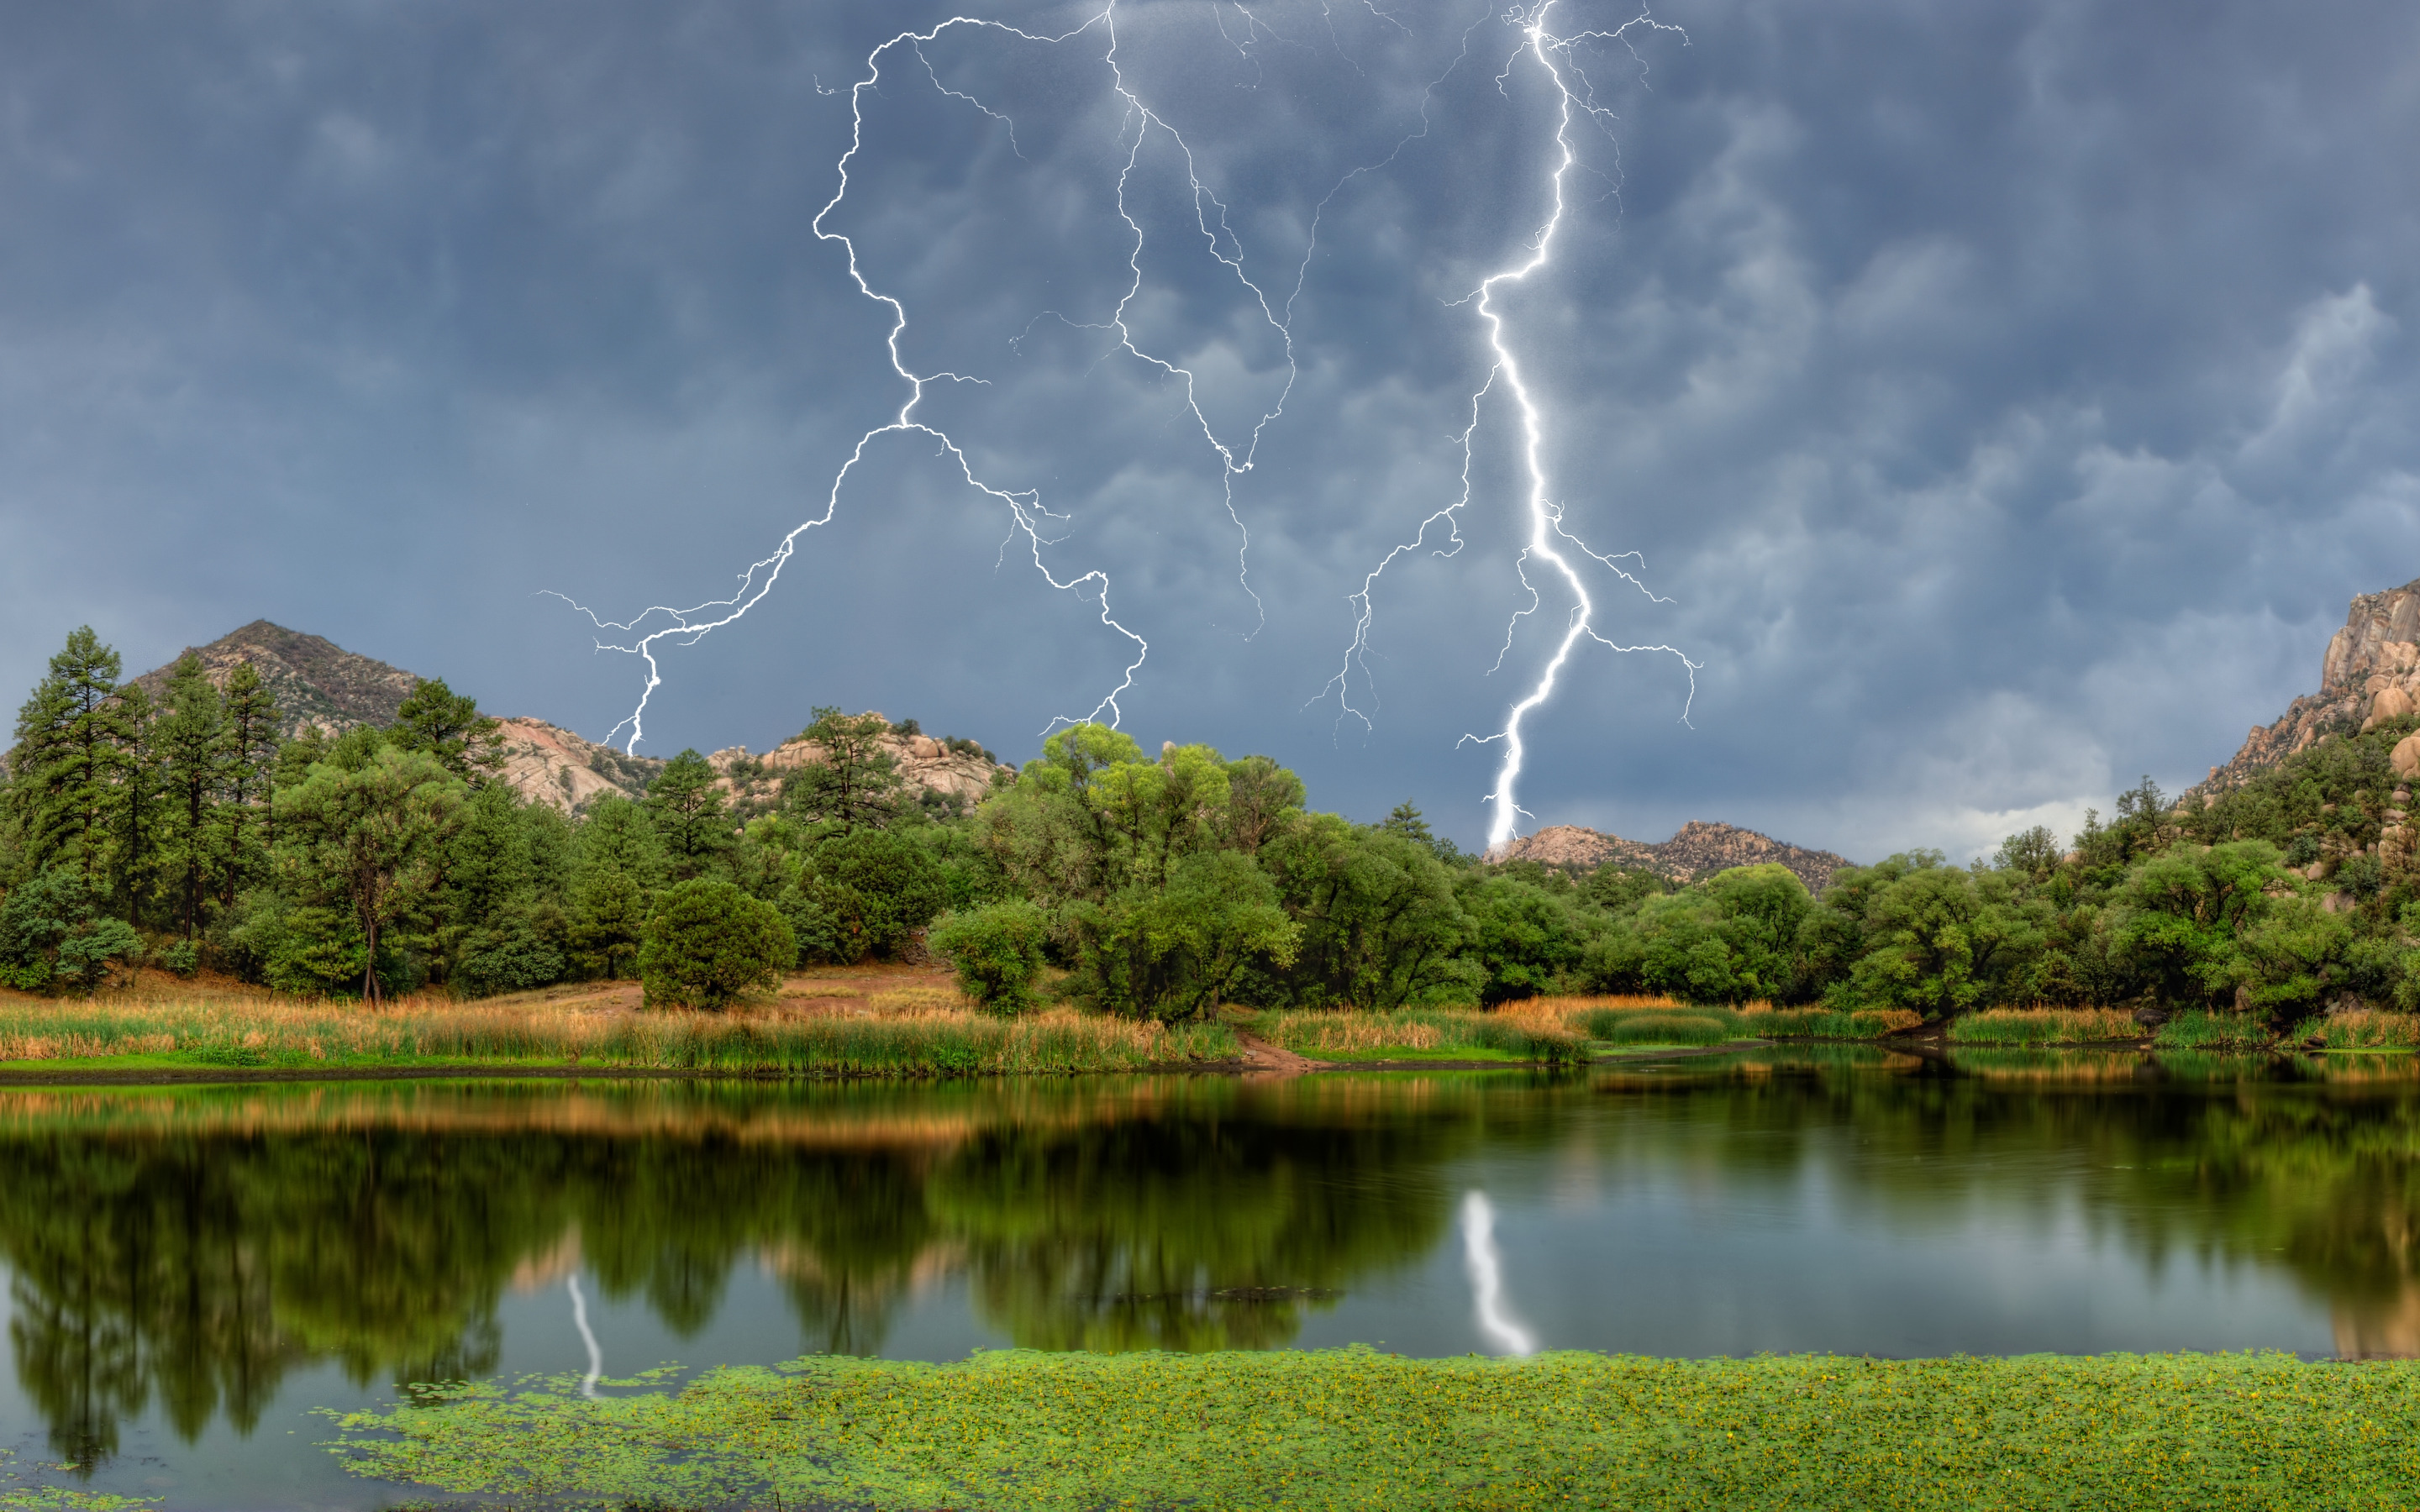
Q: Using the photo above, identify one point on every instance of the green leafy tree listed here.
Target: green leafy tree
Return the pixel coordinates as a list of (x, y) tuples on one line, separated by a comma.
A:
[(191, 741), (71, 740), (366, 829), (2185, 912), (1939, 942), (1525, 939), (855, 782), (2291, 956), (689, 816), (1170, 952), (995, 950), (448, 725), (1380, 925), (707, 943)]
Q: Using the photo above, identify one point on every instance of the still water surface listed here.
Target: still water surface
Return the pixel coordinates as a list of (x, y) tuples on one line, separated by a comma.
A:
[(191, 1270)]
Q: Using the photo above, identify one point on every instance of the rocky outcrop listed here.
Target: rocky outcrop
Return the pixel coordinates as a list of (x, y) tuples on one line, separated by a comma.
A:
[(315, 682), (1698, 851), (955, 772), (2370, 674), (551, 764)]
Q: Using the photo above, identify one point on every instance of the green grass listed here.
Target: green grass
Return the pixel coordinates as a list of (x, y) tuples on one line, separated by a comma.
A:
[(2371, 1030), (1355, 1429), (1445, 1054), (2195, 1030), (2044, 1026)]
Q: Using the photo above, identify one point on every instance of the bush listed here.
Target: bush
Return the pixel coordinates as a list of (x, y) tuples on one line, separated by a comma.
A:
[(707, 942), (997, 952), (54, 935)]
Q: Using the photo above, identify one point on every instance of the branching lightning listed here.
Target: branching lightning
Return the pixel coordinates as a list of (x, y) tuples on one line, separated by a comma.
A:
[(1538, 49), (1552, 54), (687, 626)]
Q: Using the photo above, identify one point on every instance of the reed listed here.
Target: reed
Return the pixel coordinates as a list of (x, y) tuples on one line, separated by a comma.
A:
[(2044, 1026), (2197, 1030), (1515, 1032), (909, 1037), (2364, 1030)]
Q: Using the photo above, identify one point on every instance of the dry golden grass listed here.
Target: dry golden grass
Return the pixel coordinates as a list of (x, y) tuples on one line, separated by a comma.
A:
[(915, 1029), (2044, 1026)]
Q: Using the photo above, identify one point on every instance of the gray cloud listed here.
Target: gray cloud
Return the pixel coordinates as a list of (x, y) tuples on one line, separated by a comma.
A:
[(2007, 399)]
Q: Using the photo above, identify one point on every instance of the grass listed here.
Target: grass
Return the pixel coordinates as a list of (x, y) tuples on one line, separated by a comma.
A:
[(2044, 1026), (1515, 1032), (2367, 1030), (1661, 1021), (911, 1034), (1353, 1428)]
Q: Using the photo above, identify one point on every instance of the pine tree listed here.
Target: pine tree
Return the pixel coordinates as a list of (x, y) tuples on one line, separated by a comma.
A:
[(251, 748), (190, 741), (449, 726), (70, 739), (856, 784), (688, 810), (135, 809)]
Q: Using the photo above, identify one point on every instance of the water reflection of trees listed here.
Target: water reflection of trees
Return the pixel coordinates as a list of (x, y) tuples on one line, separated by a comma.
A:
[(2311, 1166), (197, 1259)]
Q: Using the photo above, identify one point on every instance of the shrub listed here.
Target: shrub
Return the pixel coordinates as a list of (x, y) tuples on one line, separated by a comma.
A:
[(707, 942), (997, 952), (878, 888)]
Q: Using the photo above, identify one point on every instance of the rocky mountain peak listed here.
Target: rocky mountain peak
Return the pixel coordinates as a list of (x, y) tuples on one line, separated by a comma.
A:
[(315, 681), (2370, 673)]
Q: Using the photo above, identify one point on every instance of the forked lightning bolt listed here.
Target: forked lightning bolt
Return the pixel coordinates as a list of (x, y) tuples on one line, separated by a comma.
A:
[(1547, 536), (687, 626)]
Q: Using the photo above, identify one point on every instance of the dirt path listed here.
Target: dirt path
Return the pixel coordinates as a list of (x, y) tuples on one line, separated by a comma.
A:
[(1269, 1060)]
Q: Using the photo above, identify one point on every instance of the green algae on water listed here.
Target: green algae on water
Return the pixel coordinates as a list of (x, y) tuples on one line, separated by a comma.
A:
[(1354, 1428)]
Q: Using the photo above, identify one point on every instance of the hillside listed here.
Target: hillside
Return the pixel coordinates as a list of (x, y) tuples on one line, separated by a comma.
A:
[(318, 683), (2370, 671), (1698, 851), (315, 681)]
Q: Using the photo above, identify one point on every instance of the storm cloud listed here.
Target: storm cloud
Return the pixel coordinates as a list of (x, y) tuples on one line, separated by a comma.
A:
[(2007, 399)]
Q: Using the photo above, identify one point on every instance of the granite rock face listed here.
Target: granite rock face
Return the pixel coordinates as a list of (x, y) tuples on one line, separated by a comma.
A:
[(2370, 674), (1698, 851)]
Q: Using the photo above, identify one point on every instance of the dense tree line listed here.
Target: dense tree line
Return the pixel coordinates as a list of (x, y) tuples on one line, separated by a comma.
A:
[(182, 831)]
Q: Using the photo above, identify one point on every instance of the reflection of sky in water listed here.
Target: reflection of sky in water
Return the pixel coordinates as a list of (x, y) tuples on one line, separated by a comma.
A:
[(1731, 1218)]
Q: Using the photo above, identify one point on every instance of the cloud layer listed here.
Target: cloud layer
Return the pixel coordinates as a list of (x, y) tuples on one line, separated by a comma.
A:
[(2007, 399)]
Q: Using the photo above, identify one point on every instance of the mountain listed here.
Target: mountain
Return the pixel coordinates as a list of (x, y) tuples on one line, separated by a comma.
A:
[(319, 683), (315, 681), (1698, 851), (2371, 672)]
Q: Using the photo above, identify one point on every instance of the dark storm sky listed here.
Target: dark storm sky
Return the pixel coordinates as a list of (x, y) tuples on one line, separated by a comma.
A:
[(2007, 398)]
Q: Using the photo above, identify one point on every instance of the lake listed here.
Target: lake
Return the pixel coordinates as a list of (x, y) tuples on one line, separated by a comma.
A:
[(192, 1272)]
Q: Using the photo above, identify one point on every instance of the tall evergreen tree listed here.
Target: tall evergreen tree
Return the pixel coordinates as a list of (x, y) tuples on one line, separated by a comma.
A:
[(688, 811), (190, 740), (70, 740), (251, 749), (136, 808)]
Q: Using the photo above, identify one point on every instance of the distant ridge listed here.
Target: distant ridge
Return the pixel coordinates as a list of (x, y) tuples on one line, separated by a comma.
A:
[(318, 683), (315, 681), (1698, 851)]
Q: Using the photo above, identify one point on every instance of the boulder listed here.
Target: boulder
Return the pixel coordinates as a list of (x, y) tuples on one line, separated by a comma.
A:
[(2405, 757), (2391, 702)]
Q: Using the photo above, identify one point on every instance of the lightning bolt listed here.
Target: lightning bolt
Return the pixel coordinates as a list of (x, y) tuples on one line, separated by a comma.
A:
[(662, 624), (1547, 534)]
